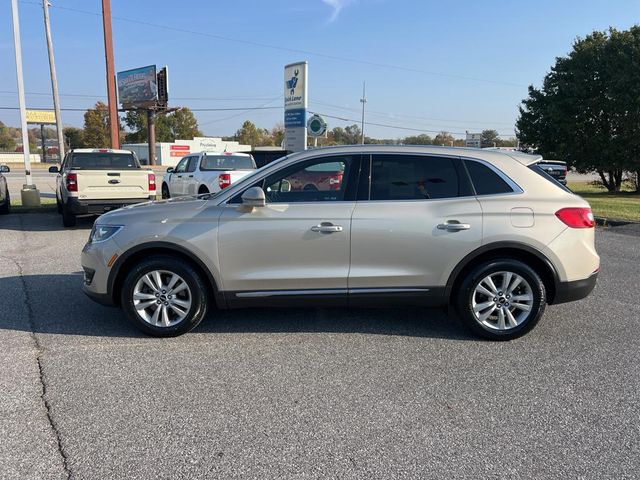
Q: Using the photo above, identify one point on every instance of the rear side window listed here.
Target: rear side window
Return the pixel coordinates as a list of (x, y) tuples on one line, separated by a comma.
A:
[(485, 180), (413, 177), (108, 161)]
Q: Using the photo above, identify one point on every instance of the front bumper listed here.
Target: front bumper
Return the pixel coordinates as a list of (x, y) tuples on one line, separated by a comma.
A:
[(576, 290), (95, 261), (97, 207)]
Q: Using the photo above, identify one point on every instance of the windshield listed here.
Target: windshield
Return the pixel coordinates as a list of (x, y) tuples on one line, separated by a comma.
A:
[(227, 162), (97, 161)]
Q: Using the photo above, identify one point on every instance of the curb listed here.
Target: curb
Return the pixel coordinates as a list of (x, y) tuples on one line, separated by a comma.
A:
[(41, 209)]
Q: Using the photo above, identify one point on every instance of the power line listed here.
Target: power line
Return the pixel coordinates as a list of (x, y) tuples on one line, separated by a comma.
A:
[(292, 50), (247, 109), (84, 95)]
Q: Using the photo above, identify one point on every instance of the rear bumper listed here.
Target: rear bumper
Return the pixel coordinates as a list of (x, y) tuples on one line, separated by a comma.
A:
[(83, 207), (576, 290)]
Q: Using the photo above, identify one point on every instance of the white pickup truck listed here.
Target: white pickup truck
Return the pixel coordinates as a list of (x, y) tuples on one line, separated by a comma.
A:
[(94, 181), (206, 172)]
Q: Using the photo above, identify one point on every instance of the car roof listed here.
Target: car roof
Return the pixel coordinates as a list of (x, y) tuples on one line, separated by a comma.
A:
[(222, 154), (479, 153), (99, 150)]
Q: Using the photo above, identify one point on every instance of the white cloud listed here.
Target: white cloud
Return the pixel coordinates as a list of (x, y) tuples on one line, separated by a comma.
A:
[(336, 6)]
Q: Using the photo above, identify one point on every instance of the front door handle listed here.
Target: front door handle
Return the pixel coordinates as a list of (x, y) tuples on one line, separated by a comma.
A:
[(326, 227), (453, 226)]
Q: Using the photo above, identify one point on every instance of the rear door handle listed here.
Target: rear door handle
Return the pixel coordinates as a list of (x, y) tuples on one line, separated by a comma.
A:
[(326, 227), (453, 226)]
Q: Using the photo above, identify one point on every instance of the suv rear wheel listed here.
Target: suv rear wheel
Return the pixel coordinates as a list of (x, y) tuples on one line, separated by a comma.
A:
[(501, 299), (164, 296)]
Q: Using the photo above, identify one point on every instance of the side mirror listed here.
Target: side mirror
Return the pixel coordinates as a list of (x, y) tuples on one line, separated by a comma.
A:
[(254, 197), (170, 170), (54, 169), (4, 169)]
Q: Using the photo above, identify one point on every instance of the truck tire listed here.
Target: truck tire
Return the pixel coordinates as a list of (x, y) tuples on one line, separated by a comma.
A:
[(6, 206), (165, 191), (68, 218)]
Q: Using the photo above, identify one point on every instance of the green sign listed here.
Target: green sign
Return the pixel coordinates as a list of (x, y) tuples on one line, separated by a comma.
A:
[(316, 126)]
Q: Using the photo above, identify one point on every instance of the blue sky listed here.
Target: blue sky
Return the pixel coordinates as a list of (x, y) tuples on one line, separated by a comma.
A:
[(464, 65)]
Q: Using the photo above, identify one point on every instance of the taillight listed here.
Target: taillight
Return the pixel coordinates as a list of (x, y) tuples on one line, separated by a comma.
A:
[(152, 182), (224, 180), (72, 182), (576, 217)]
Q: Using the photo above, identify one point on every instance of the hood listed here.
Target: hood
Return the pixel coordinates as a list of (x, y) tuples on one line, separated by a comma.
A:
[(174, 208)]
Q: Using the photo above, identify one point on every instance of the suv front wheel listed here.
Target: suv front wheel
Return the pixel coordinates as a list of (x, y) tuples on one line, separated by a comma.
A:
[(501, 299), (164, 296)]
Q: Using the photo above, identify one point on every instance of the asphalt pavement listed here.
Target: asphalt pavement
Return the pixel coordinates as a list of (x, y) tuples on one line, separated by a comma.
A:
[(309, 393)]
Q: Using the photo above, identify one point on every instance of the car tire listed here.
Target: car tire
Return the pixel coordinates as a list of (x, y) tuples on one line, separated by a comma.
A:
[(58, 205), (68, 218), (496, 311), (141, 287), (5, 208), (165, 191), (203, 190)]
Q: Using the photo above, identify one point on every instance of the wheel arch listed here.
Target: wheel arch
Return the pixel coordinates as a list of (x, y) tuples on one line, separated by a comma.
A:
[(134, 255), (514, 250)]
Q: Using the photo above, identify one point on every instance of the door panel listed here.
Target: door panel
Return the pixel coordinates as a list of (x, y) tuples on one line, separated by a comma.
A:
[(399, 244), (282, 246)]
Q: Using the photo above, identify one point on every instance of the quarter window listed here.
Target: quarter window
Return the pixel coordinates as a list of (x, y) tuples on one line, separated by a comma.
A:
[(485, 180), (413, 177)]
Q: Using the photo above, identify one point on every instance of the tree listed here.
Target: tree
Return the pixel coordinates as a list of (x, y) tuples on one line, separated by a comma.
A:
[(96, 127), (422, 139), (74, 137), (180, 124), (588, 109), (444, 138), (249, 134), (490, 138), (7, 144), (277, 134)]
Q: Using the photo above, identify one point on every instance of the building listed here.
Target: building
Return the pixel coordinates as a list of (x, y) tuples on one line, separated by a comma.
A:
[(168, 154)]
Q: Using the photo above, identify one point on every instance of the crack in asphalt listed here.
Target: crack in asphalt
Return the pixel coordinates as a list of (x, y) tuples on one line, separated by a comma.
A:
[(40, 352)]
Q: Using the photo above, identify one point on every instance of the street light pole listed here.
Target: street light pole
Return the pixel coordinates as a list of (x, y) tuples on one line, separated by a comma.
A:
[(54, 80), (363, 100), (30, 195), (114, 131)]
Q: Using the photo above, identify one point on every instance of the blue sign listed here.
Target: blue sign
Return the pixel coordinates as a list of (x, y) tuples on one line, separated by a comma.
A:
[(295, 117)]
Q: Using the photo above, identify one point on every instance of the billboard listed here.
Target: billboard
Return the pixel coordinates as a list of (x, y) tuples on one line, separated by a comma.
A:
[(138, 87), (41, 116), (295, 106), (473, 140)]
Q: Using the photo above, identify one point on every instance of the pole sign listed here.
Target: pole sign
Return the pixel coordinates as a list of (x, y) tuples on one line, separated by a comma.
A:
[(473, 140), (41, 116), (138, 88), (295, 106), (316, 126)]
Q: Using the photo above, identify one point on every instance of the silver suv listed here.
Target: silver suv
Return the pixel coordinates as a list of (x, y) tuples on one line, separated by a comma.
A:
[(487, 232)]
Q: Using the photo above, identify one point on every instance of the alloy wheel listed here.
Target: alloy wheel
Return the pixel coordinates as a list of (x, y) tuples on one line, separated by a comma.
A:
[(162, 298)]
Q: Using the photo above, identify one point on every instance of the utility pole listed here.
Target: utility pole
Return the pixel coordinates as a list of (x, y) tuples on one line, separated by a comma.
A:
[(363, 100), (54, 80), (114, 131), (29, 193), (151, 129)]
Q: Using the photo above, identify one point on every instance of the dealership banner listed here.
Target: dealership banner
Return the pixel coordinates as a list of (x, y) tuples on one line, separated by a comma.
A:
[(138, 87), (295, 106)]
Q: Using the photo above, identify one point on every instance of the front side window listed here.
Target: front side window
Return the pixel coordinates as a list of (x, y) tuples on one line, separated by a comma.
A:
[(182, 166), (318, 180), (413, 177), (193, 162)]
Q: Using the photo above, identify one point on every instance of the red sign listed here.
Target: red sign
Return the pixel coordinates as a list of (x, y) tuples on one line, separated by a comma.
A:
[(179, 150)]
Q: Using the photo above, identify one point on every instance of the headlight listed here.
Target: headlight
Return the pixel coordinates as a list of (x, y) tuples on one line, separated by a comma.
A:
[(100, 233)]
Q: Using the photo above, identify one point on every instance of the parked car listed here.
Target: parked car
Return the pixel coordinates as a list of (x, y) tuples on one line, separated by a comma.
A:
[(94, 181), (5, 199), (206, 172), (486, 232), (556, 169)]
